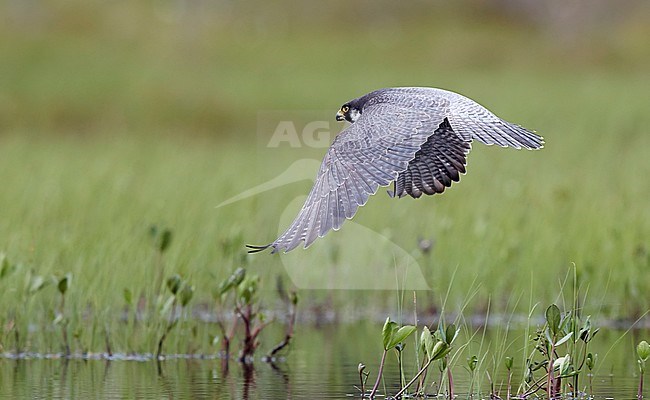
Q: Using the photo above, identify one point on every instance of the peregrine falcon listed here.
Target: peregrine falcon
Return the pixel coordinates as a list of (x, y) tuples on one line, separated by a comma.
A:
[(417, 138)]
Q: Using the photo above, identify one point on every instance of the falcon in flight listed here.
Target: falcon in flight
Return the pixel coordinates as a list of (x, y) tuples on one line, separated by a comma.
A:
[(415, 137)]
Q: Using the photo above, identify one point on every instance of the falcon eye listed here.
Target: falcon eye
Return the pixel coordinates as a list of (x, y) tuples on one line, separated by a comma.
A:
[(345, 109)]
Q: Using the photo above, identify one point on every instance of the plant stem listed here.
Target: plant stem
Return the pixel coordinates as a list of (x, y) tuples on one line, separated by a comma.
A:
[(170, 324), (160, 267), (379, 373), (107, 341), (537, 385), (422, 379), (401, 369), (288, 336), (420, 372), (574, 321), (451, 382), (64, 328), (549, 377), (162, 339), (509, 381), (639, 394)]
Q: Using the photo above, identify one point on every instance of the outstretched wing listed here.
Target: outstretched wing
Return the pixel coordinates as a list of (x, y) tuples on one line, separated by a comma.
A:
[(439, 162), (369, 153), (471, 120)]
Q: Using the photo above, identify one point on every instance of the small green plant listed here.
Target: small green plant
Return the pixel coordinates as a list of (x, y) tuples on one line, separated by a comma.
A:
[(6, 268), (161, 241), (508, 362), (363, 377), (554, 338), (239, 293), (181, 294), (590, 362), (557, 334), (448, 335), (643, 353), (221, 296), (472, 362), (392, 335), (434, 346), (32, 285), (60, 319)]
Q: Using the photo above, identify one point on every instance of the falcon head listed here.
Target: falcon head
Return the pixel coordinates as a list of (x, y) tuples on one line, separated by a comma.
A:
[(348, 112)]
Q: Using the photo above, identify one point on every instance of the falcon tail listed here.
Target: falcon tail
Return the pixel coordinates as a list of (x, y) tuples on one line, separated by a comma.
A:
[(252, 249)]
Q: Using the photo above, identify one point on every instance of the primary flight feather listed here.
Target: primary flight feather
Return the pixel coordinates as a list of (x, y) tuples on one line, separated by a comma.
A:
[(414, 137)]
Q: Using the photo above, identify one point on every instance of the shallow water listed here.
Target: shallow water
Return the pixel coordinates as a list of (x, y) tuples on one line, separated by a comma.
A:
[(322, 364)]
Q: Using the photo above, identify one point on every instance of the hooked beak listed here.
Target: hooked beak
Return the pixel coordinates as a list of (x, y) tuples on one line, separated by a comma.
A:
[(340, 116)]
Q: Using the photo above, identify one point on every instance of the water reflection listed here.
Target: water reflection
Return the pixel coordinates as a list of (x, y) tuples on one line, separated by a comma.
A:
[(322, 364)]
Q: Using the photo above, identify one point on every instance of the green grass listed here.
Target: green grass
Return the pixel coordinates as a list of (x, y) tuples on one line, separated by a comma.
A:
[(114, 119)]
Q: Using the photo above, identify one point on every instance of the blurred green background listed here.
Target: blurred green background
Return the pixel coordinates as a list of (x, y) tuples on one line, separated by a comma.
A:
[(118, 115)]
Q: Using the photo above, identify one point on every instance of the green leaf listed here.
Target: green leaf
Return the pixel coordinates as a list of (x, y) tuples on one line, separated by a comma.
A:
[(426, 340), (547, 336), (440, 349), (450, 334), (472, 362), (5, 267), (440, 333), (232, 281), (186, 294), (387, 333), (564, 339), (247, 289), (63, 284), (399, 335), (563, 365), (565, 322), (165, 240), (569, 374), (553, 318), (174, 283), (585, 331), (643, 350), (128, 296), (590, 361)]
